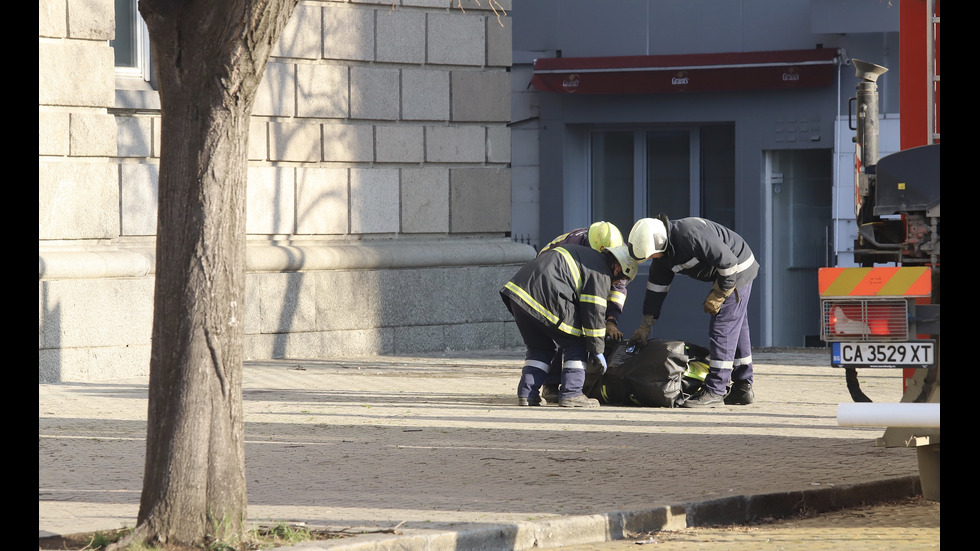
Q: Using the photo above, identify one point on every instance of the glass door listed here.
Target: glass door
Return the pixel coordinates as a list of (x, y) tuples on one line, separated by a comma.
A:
[(677, 171), (613, 175), (669, 171), (800, 184)]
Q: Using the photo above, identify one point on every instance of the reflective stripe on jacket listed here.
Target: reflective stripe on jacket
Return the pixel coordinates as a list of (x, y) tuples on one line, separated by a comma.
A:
[(566, 288), (704, 250), (616, 300)]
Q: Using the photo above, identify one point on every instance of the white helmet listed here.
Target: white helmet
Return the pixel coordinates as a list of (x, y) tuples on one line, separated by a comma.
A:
[(604, 235), (647, 238), (626, 262)]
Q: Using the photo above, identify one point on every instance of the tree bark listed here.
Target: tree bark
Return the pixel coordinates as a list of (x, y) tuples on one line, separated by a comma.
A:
[(210, 56)]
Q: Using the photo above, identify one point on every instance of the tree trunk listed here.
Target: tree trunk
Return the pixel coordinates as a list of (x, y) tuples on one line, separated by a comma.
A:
[(210, 56)]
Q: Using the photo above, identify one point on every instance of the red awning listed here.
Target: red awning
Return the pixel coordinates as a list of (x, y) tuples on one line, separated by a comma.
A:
[(660, 74)]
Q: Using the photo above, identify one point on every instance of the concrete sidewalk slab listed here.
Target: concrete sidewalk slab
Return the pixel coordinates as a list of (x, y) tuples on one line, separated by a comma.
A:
[(435, 445)]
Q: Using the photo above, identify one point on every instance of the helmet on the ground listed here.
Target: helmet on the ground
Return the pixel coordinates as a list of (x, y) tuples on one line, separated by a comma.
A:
[(648, 237), (626, 262), (604, 235)]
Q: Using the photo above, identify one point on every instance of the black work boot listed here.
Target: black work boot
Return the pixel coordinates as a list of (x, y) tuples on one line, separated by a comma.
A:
[(578, 401), (529, 401), (549, 393), (740, 394), (705, 399)]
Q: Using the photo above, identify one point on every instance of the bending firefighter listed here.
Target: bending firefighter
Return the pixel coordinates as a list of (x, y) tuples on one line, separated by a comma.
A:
[(559, 302), (709, 252), (599, 236)]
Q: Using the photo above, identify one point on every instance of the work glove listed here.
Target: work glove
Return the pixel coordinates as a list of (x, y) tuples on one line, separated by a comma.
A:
[(612, 331), (717, 297), (642, 332), (602, 362)]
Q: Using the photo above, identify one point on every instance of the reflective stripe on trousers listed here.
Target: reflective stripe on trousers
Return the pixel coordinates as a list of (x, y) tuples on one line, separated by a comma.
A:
[(731, 346)]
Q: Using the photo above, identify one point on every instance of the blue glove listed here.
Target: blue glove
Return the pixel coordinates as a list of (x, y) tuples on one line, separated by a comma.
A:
[(602, 360)]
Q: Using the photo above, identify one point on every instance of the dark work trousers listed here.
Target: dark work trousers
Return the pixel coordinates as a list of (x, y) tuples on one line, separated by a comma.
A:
[(544, 343), (730, 348), (554, 376)]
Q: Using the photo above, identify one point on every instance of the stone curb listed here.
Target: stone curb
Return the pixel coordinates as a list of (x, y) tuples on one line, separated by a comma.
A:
[(584, 529)]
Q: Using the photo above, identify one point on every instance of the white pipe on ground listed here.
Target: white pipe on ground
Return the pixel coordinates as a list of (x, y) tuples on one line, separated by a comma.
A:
[(904, 414)]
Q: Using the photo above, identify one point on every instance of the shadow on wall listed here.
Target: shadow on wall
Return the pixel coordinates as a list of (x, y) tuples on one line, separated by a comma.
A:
[(50, 359)]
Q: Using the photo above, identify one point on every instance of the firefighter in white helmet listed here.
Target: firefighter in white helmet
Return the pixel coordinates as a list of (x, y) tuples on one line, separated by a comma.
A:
[(710, 252), (558, 300), (647, 238)]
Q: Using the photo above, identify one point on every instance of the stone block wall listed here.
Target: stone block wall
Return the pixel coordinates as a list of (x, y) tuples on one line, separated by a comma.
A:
[(378, 194), (77, 194)]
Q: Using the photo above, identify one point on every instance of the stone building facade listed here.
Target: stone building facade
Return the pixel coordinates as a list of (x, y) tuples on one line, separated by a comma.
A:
[(379, 208)]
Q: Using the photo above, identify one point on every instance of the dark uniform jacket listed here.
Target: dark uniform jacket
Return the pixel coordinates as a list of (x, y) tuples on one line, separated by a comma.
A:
[(565, 288), (704, 250), (617, 296)]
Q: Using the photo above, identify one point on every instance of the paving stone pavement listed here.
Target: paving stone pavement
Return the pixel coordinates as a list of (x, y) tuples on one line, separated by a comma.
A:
[(435, 445), (906, 525)]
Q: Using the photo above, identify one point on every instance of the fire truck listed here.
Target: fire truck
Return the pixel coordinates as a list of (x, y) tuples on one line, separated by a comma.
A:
[(884, 313)]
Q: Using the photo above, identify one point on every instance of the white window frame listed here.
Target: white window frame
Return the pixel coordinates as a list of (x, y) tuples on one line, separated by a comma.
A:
[(143, 68)]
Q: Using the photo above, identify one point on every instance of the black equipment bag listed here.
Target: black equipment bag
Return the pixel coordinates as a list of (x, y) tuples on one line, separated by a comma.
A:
[(652, 375)]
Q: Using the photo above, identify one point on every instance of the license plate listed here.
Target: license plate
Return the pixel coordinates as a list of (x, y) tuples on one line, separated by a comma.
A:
[(880, 354)]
